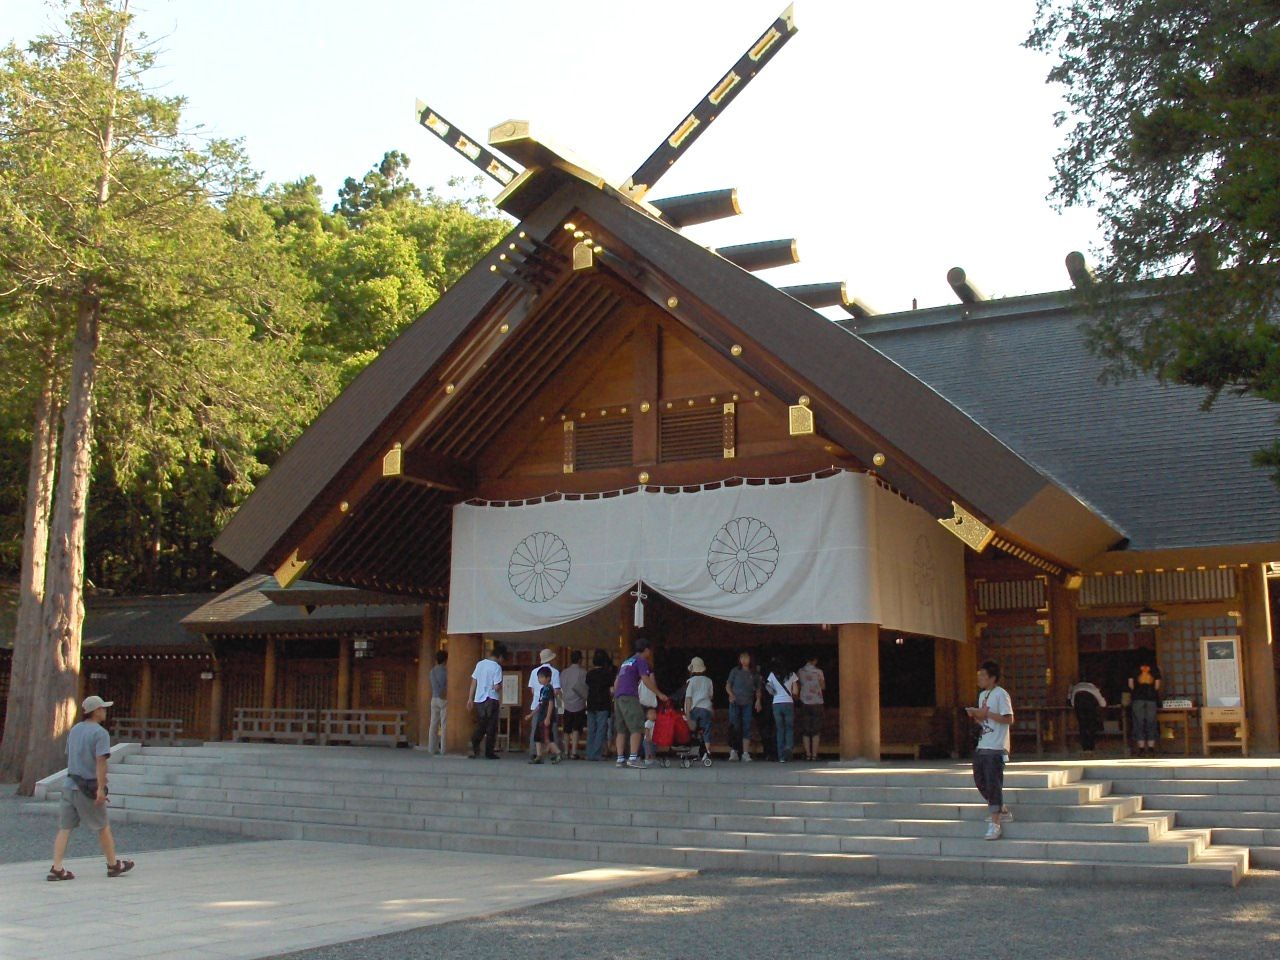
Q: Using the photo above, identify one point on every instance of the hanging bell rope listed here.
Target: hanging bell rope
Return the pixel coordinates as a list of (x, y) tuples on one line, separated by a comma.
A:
[(640, 597)]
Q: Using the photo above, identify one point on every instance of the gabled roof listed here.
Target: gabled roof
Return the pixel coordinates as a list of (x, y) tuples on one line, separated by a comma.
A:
[(1141, 453), (934, 451)]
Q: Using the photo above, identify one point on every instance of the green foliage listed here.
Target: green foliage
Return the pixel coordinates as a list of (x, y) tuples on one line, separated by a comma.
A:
[(231, 313), (1173, 134)]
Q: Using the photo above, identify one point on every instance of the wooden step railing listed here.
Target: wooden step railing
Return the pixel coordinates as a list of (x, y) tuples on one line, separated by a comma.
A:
[(147, 729), (381, 727), (261, 723)]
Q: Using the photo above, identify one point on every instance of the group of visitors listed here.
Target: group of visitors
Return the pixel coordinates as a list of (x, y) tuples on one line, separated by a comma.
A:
[(576, 713), (1143, 684)]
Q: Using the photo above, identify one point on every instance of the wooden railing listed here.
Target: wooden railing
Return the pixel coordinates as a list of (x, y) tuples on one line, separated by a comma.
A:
[(147, 729), (260, 723), (386, 727)]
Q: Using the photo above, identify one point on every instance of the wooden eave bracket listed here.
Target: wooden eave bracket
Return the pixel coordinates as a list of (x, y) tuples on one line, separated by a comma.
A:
[(428, 468)]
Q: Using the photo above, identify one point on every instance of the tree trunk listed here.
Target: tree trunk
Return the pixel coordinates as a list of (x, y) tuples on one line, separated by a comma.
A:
[(57, 668), (35, 556), (57, 665)]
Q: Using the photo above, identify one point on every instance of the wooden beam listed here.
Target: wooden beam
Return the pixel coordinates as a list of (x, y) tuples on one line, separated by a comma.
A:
[(647, 389), (432, 469), (681, 474)]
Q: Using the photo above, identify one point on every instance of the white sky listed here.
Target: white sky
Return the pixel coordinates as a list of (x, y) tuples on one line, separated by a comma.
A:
[(894, 140)]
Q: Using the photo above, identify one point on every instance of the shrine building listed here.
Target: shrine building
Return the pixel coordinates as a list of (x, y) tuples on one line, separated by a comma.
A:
[(603, 413)]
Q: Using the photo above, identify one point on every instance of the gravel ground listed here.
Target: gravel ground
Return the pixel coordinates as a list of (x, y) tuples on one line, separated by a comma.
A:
[(727, 917), (25, 836), (716, 916)]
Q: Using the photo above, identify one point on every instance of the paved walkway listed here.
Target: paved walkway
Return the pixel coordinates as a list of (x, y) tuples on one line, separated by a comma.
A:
[(256, 900)]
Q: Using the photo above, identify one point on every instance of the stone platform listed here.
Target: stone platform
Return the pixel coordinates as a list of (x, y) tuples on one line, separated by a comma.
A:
[(1075, 822)]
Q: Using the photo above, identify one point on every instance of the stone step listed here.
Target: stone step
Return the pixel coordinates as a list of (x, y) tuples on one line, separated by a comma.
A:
[(974, 860), (1255, 787), (1218, 802), (1247, 836), (698, 780), (443, 816), (428, 800), (1252, 819), (623, 784), (415, 765), (1178, 769)]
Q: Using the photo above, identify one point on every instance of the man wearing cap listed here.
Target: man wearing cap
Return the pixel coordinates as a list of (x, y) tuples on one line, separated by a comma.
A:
[(544, 660), (84, 793), (697, 704)]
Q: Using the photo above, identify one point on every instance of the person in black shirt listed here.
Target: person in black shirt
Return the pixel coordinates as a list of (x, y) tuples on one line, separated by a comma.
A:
[(1145, 685), (599, 704)]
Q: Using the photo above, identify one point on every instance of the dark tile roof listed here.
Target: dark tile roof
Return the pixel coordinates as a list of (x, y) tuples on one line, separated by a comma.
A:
[(149, 623), (244, 609), (1142, 454)]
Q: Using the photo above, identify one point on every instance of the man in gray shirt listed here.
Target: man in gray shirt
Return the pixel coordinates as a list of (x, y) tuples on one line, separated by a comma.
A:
[(439, 678), (743, 687), (84, 793)]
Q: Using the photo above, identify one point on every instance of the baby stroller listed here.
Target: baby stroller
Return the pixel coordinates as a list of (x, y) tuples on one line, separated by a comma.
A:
[(673, 740)]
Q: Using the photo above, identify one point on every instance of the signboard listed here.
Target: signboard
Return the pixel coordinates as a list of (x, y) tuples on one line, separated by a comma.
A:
[(1220, 664), (510, 689)]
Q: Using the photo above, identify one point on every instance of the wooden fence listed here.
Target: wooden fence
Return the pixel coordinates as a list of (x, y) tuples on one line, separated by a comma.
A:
[(383, 727), (147, 729)]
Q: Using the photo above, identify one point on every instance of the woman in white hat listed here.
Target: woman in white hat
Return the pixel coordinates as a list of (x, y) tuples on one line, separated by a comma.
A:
[(545, 658), (697, 703)]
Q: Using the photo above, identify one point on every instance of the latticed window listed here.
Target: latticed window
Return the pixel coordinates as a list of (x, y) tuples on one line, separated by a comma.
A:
[(1178, 654), (1023, 655), (382, 690), (601, 444), (691, 435)]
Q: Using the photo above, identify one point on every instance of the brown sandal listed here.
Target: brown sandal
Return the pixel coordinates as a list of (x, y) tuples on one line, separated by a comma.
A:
[(119, 868), (60, 874)]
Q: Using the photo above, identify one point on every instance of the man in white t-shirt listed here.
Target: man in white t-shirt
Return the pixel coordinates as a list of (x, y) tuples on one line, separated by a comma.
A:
[(544, 660), (994, 713), (485, 700)]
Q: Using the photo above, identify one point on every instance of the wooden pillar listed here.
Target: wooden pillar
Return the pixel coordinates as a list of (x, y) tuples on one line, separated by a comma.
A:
[(269, 675), (344, 674), (142, 701), (215, 703), (1064, 652), (1258, 660), (465, 649), (859, 691), (428, 643)]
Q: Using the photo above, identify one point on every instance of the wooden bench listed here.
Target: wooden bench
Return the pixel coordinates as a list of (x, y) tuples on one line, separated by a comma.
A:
[(147, 729), (377, 727), (259, 723)]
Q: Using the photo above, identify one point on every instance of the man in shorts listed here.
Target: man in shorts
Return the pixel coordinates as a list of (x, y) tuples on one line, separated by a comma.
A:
[(84, 793), (628, 715)]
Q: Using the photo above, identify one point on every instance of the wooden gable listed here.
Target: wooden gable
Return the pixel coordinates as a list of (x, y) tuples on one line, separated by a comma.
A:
[(659, 402)]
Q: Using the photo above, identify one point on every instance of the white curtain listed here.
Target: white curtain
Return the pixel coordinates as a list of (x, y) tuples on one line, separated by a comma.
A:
[(840, 549)]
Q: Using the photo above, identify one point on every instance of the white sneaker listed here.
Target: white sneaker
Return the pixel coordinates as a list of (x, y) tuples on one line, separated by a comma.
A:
[(733, 755), (746, 757), (994, 830)]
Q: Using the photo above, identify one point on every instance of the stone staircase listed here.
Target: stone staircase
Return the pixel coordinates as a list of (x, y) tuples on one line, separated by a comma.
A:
[(1237, 801), (920, 820)]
